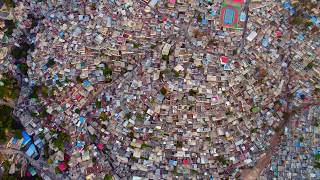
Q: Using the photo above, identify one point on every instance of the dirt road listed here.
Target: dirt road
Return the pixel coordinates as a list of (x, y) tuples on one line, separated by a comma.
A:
[(265, 158)]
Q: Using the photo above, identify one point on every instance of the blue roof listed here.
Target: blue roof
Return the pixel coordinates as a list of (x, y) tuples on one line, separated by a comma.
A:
[(61, 34), (86, 83), (26, 138), (287, 6), (31, 150), (80, 144), (45, 67), (38, 141), (117, 115), (243, 16), (292, 11), (82, 119), (14, 141), (213, 13), (173, 162), (301, 36), (315, 20), (299, 93), (32, 171), (55, 77), (265, 42), (227, 67), (204, 21), (282, 101), (229, 16)]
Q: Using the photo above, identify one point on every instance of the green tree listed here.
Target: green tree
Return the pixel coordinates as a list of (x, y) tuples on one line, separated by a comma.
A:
[(57, 170), (163, 91), (179, 144), (44, 91), (77, 111), (128, 115), (18, 134), (19, 166), (199, 18), (136, 45), (21, 51), (61, 139), (34, 92), (107, 71), (222, 160), (79, 80), (23, 67), (103, 116), (46, 154), (144, 145), (50, 62), (175, 171), (6, 122), (193, 92), (10, 26), (301, 139), (296, 20), (140, 117), (317, 161), (309, 66), (165, 57), (9, 3), (107, 177), (43, 113), (98, 104), (176, 73), (6, 165), (9, 88)]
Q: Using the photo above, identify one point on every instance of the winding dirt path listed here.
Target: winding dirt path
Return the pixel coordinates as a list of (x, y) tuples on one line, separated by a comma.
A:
[(7, 103), (265, 158)]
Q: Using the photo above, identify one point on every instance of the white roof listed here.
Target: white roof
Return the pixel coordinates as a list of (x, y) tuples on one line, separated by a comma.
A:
[(252, 35), (247, 161), (166, 49), (179, 68), (152, 3)]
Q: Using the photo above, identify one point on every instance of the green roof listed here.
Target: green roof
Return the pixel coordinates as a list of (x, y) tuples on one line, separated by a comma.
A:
[(255, 109)]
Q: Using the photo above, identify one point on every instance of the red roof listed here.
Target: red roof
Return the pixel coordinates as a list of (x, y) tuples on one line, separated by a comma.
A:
[(28, 174), (239, 1), (100, 146), (164, 18), (278, 33), (66, 157), (62, 166), (78, 97), (185, 162), (237, 64), (224, 60)]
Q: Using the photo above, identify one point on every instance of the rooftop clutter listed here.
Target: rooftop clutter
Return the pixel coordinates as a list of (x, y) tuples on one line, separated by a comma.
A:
[(161, 89)]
